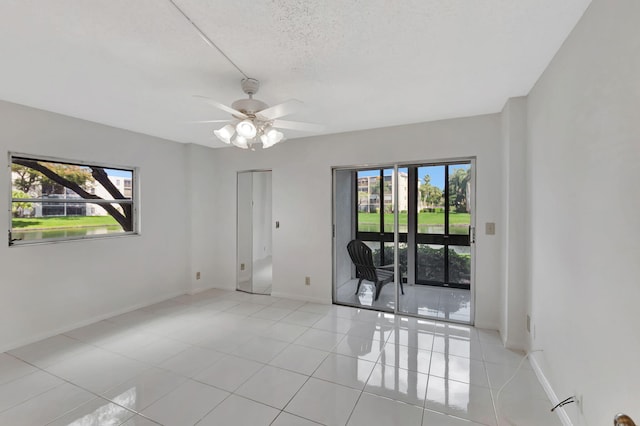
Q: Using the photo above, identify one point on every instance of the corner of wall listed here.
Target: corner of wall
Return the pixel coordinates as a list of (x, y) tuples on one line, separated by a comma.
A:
[(514, 256), (201, 194)]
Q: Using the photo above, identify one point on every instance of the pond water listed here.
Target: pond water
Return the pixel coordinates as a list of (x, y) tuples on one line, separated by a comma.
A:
[(45, 234)]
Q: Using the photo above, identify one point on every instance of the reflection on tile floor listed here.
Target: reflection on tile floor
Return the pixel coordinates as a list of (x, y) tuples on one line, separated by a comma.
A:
[(224, 357), (429, 301)]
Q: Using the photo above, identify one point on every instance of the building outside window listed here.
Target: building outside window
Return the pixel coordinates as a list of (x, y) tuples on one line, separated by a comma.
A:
[(54, 199)]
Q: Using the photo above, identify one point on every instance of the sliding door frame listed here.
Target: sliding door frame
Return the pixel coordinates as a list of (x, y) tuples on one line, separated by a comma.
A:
[(396, 231)]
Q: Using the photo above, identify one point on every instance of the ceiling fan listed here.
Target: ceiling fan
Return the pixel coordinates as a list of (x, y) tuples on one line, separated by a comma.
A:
[(254, 121)]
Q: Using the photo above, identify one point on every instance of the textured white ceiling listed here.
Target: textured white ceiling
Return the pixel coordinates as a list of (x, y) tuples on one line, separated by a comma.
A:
[(355, 64)]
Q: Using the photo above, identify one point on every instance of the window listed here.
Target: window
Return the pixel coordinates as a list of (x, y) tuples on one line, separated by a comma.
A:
[(54, 200), (375, 211), (441, 215)]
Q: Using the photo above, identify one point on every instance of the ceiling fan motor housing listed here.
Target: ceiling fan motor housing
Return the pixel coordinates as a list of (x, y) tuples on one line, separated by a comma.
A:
[(249, 106), (250, 86)]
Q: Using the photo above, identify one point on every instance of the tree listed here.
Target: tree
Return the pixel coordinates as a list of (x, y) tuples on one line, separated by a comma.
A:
[(429, 194), (434, 196), (75, 178), (458, 182), (26, 178), (72, 173), (18, 208)]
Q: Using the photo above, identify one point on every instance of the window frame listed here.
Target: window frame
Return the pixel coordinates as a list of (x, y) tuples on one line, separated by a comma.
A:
[(135, 202)]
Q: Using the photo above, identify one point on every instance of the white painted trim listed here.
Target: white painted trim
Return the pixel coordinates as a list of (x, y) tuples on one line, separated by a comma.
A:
[(302, 298), (197, 290), (546, 385), (222, 287), (487, 326), (60, 330)]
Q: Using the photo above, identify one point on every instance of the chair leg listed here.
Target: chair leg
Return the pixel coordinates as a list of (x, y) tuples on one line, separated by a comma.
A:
[(378, 290), (358, 288)]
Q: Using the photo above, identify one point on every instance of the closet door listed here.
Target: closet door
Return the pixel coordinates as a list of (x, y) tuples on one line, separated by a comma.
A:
[(261, 233), (254, 232), (244, 266)]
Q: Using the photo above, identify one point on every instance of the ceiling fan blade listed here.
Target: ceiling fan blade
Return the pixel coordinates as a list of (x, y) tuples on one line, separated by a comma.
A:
[(223, 107), (280, 110), (298, 125), (208, 121)]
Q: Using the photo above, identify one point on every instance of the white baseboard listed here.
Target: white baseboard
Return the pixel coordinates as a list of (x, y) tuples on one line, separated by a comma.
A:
[(546, 385), (197, 290), (486, 325), (69, 327)]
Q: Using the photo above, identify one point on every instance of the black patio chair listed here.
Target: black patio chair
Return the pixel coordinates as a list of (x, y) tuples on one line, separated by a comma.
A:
[(362, 258)]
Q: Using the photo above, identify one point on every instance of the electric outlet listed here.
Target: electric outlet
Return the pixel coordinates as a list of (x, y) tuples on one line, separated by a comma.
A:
[(528, 323), (198, 275), (307, 280), (242, 266)]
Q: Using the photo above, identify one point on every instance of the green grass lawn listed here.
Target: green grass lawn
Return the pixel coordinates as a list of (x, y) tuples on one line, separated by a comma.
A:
[(61, 222), (427, 222), (423, 218)]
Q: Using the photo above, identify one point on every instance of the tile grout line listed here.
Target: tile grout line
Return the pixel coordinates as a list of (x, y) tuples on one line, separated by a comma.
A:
[(299, 389), (328, 314), (249, 378), (96, 395)]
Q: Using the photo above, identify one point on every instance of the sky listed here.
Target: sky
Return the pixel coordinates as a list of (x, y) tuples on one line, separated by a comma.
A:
[(436, 173), (118, 173)]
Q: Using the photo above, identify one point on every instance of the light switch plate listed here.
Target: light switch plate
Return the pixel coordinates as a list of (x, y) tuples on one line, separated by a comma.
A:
[(490, 228)]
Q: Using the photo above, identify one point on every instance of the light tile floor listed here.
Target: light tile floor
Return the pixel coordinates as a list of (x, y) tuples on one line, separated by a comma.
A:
[(428, 301), (232, 358)]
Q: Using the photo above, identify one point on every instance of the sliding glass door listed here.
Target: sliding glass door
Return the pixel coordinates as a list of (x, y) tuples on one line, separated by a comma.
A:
[(440, 242), (375, 211), (417, 221), (365, 212), (443, 240)]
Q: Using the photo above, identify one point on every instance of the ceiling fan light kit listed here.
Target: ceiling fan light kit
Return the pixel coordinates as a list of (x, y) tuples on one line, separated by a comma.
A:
[(271, 137), (240, 142), (246, 129), (254, 120), (225, 133)]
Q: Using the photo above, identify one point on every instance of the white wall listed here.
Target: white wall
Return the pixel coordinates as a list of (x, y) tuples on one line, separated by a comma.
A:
[(48, 288), (513, 235), (302, 199), (583, 158), (201, 192)]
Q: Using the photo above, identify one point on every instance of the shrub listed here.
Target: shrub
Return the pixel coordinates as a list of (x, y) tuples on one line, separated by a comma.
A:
[(431, 263)]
